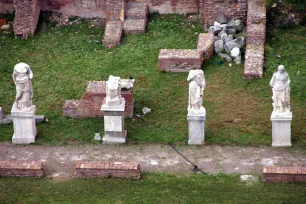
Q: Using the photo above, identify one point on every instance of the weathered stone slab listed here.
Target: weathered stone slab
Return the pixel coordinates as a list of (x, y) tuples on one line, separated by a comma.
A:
[(206, 45), (281, 130), (178, 60), (112, 35), (196, 128), (284, 174), (254, 61), (134, 26)]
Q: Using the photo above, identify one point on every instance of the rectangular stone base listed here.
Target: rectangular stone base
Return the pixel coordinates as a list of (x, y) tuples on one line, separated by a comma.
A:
[(114, 140), (196, 128), (24, 125), (281, 130)]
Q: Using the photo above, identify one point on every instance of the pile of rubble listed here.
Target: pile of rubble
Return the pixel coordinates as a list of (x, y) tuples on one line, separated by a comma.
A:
[(229, 38)]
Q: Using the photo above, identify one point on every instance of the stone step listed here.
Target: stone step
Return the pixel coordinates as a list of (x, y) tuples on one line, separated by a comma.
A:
[(112, 35), (134, 26), (136, 10)]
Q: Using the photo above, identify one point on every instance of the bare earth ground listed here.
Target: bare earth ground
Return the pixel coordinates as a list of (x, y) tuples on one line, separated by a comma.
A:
[(59, 161)]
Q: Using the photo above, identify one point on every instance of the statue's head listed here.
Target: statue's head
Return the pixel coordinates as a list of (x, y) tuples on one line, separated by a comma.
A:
[(281, 69), (196, 75), (21, 68)]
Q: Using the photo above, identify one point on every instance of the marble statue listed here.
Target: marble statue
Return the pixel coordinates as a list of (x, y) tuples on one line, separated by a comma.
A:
[(23, 111), (280, 84), (113, 91), (23, 77), (281, 116), (197, 85)]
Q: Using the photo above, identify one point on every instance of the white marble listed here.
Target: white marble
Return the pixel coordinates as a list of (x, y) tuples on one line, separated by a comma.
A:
[(281, 116), (196, 128), (197, 85), (281, 129), (23, 111), (24, 125), (113, 91)]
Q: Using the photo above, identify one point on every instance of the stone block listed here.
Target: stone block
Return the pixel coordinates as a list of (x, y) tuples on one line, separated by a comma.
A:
[(196, 128), (206, 45), (171, 60), (114, 132), (134, 26), (112, 34), (254, 61), (24, 125), (281, 129)]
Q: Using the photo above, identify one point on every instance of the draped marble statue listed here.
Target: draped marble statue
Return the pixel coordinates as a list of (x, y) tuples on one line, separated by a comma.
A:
[(280, 84), (23, 77), (113, 90), (197, 85)]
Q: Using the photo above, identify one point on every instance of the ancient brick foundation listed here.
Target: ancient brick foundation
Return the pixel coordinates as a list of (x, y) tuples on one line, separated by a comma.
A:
[(284, 174), (232, 9), (255, 39), (26, 17), (21, 169), (90, 104), (136, 17), (107, 169)]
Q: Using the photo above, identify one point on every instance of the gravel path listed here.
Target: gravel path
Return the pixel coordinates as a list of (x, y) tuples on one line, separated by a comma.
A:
[(59, 161)]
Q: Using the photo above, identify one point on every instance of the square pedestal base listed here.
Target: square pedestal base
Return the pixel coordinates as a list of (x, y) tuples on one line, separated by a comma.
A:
[(281, 130), (196, 128), (24, 125), (107, 139)]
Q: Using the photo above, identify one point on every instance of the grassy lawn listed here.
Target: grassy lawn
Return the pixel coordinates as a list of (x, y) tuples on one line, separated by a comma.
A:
[(63, 59), (152, 188)]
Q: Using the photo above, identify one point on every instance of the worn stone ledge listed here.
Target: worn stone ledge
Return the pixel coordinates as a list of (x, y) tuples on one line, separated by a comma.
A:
[(21, 169), (172, 60), (107, 169), (112, 35), (283, 174), (206, 45)]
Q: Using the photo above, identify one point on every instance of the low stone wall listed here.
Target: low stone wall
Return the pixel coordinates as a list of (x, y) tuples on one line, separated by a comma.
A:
[(21, 169), (171, 60), (283, 174), (90, 104), (107, 169), (112, 34)]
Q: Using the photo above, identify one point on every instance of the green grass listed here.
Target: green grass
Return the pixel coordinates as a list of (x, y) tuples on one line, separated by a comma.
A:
[(63, 59), (152, 188)]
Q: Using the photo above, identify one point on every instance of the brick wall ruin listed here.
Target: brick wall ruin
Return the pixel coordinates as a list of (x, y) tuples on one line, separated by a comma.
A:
[(107, 169), (90, 104), (21, 169), (26, 17), (283, 174), (236, 9)]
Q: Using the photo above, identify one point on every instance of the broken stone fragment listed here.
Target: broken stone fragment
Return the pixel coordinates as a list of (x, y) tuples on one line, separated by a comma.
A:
[(239, 25), (235, 52), (219, 46), (238, 42), (5, 27), (231, 31), (224, 57), (223, 30)]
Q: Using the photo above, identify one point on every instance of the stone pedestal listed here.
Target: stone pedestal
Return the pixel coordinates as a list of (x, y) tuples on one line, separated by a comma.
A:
[(281, 129), (114, 123), (24, 125), (196, 127)]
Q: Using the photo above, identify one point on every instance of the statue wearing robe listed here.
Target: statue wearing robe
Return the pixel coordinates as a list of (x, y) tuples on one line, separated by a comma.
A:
[(280, 84), (197, 85), (22, 77)]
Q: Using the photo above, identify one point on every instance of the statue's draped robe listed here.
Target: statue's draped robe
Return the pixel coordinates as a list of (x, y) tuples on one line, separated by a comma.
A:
[(281, 89), (24, 91), (195, 98)]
